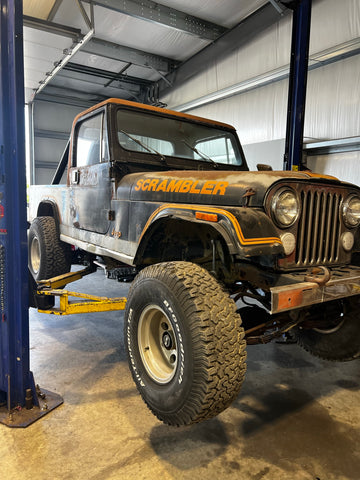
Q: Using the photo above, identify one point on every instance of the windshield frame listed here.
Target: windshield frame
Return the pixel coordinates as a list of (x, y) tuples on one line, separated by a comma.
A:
[(122, 154)]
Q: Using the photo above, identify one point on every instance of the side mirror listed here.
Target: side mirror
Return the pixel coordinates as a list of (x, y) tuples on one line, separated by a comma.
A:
[(262, 167)]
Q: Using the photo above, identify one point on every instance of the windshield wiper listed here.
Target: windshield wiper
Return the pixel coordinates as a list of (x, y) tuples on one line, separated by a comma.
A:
[(201, 154), (145, 147)]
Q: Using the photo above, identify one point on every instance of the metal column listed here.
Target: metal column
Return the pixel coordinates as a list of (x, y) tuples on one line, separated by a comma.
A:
[(297, 83), (17, 389)]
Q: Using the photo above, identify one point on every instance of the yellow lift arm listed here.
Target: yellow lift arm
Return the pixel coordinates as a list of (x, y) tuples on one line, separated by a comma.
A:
[(90, 303)]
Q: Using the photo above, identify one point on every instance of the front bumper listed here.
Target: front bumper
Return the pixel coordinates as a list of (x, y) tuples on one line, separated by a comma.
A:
[(344, 282)]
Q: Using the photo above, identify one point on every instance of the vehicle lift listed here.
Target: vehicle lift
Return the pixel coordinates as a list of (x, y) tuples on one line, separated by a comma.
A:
[(45, 291), (22, 402), (42, 296)]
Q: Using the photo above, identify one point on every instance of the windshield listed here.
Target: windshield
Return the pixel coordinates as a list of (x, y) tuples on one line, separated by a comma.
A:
[(148, 133)]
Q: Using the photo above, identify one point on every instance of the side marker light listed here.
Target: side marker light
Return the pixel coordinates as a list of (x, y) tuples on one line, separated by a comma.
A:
[(209, 217)]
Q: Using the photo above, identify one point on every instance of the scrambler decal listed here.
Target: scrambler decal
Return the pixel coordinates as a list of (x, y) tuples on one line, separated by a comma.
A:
[(181, 186)]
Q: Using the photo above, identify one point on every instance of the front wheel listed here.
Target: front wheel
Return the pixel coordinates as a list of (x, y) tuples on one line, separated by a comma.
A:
[(185, 343), (338, 336)]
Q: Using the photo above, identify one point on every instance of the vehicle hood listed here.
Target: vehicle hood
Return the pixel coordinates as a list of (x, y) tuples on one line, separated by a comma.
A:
[(209, 187)]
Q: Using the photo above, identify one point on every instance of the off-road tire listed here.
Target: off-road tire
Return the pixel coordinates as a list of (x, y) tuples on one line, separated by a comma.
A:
[(339, 344), (48, 256), (208, 340)]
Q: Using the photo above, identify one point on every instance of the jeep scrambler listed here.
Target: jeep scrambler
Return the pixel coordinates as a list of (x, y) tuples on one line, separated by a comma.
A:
[(170, 196)]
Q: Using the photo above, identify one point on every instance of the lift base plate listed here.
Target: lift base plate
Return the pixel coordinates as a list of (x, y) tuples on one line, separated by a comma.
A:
[(22, 417)]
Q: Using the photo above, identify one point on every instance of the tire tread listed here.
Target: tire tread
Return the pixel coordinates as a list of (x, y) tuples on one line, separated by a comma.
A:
[(56, 255), (342, 345), (219, 345)]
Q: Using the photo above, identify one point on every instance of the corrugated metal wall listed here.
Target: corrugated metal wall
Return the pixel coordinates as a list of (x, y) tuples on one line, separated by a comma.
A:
[(259, 115)]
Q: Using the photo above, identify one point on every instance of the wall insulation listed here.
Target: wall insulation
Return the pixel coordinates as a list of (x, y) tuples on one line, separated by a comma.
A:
[(259, 115)]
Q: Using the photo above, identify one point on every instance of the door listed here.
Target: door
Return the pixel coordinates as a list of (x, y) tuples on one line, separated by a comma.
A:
[(90, 185)]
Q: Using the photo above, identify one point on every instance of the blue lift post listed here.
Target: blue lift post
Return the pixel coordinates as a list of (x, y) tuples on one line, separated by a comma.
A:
[(297, 83), (21, 403)]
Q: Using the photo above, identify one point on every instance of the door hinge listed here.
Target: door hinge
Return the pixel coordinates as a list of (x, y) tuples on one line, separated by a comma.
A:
[(111, 215)]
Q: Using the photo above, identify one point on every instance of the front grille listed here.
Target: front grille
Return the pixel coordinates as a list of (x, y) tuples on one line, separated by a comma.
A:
[(319, 227)]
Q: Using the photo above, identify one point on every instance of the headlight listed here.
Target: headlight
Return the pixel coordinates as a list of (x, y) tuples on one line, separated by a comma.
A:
[(351, 211), (285, 207)]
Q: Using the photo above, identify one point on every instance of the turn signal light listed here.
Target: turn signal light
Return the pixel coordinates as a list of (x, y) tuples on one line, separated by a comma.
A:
[(209, 217)]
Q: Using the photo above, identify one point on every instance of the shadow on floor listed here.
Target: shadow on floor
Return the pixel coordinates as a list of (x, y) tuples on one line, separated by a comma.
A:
[(276, 419)]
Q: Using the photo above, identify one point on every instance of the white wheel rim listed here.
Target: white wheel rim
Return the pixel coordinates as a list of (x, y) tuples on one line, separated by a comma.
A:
[(35, 255), (157, 344)]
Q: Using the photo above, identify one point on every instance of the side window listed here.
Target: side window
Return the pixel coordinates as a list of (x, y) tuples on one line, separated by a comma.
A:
[(105, 156), (88, 141)]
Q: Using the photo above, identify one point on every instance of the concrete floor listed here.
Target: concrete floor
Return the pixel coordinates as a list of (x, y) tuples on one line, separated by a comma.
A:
[(296, 417)]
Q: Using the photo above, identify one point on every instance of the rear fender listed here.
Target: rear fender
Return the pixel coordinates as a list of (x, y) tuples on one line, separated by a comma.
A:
[(47, 208)]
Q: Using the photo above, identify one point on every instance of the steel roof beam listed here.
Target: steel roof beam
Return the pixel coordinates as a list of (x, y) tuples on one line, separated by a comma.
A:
[(134, 87), (279, 6), (54, 10), (51, 134), (158, 13), (113, 51), (51, 27), (103, 48), (47, 165), (234, 39), (68, 96), (89, 21), (350, 144), (74, 70), (117, 75), (64, 100)]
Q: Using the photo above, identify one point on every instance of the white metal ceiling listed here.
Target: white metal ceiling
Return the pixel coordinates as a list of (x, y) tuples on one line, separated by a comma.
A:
[(91, 71), (223, 12)]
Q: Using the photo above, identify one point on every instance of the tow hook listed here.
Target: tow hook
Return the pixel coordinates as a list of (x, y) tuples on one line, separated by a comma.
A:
[(314, 276)]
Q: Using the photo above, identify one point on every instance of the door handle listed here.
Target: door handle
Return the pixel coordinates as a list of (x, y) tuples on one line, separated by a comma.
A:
[(75, 176)]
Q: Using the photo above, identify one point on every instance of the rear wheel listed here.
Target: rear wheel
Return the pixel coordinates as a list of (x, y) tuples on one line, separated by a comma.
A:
[(337, 337), (48, 256), (185, 343)]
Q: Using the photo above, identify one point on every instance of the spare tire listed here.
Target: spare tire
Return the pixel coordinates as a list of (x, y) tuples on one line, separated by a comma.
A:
[(340, 340)]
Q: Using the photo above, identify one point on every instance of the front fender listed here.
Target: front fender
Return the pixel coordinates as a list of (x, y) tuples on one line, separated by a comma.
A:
[(256, 233), (247, 232)]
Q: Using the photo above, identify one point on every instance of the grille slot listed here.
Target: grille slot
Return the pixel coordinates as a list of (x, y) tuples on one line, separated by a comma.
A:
[(319, 228)]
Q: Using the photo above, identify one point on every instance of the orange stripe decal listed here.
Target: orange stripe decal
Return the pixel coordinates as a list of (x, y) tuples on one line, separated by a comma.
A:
[(218, 211), (319, 175)]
